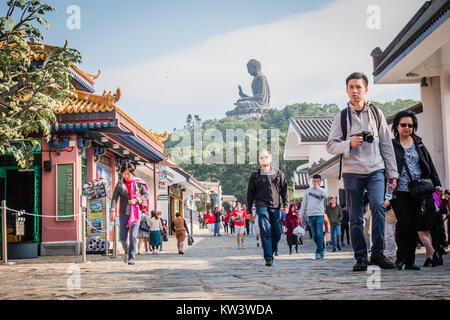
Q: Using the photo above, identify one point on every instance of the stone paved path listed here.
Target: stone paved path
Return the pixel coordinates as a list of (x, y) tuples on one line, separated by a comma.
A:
[(213, 268)]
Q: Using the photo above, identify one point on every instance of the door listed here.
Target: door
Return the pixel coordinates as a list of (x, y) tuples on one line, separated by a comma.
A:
[(2, 197)]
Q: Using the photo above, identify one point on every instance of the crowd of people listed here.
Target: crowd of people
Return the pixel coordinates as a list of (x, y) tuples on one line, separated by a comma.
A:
[(393, 198)]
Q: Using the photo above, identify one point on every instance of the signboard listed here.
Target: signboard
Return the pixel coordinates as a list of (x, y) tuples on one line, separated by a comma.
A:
[(97, 212), (162, 180), (96, 215), (65, 192), (175, 192)]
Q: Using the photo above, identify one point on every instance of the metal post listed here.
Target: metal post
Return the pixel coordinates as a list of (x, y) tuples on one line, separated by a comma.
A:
[(115, 239), (83, 235), (107, 235), (4, 234)]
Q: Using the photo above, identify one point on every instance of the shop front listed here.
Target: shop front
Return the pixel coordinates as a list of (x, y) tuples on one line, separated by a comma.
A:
[(89, 142), (175, 188), (93, 144)]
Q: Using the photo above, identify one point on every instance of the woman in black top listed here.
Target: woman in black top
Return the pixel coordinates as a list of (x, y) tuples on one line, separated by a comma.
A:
[(412, 214)]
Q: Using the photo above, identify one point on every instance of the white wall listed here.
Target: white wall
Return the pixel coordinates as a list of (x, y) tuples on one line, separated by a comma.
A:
[(445, 105), (431, 124), (333, 185)]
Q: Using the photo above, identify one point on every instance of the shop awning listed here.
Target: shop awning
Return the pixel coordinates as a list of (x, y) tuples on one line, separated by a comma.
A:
[(133, 142)]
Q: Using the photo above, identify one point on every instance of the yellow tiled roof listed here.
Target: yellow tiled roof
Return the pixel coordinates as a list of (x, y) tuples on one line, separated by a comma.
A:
[(83, 102)]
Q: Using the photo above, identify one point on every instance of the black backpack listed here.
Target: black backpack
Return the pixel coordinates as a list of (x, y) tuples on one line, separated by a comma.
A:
[(347, 114)]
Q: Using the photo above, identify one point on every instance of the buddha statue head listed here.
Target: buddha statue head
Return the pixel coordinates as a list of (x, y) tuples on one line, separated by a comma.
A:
[(254, 67)]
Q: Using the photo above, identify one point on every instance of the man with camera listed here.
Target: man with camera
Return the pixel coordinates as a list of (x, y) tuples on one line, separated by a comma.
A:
[(361, 135)]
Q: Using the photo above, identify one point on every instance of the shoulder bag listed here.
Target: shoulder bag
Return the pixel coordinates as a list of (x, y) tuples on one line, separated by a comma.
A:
[(419, 188)]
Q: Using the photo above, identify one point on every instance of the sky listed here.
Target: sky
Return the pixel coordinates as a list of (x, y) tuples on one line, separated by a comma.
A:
[(172, 58)]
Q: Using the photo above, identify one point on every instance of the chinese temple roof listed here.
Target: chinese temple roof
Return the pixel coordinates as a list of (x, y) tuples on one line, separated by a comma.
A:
[(88, 103)]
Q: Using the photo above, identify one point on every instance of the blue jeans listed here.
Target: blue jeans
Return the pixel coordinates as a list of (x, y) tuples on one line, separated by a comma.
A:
[(269, 220), (216, 228), (315, 223), (129, 247), (354, 186), (336, 236)]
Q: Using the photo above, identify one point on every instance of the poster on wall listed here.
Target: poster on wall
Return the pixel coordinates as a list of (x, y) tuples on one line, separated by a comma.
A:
[(105, 174), (162, 183), (97, 212), (96, 217)]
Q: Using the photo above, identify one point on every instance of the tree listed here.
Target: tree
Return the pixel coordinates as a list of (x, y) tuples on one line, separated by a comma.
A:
[(34, 78)]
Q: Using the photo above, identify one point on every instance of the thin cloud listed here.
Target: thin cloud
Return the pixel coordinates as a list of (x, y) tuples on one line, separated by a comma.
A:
[(305, 57)]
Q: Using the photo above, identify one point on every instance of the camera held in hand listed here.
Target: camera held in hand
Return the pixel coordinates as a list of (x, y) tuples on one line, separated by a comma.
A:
[(366, 135)]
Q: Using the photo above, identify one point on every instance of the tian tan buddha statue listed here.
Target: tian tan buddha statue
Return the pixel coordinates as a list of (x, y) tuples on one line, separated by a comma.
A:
[(260, 101)]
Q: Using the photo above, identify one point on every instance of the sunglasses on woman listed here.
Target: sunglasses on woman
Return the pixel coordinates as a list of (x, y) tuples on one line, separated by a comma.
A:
[(404, 125)]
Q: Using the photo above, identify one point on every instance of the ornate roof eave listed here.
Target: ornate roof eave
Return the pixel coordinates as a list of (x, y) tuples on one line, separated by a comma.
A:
[(84, 102), (155, 136)]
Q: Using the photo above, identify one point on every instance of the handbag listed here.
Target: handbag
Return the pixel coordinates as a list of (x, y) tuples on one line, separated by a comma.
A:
[(190, 240), (143, 205), (419, 188), (144, 224), (299, 231)]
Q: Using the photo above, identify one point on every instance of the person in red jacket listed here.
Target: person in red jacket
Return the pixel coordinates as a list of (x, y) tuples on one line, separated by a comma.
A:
[(292, 221), (239, 216), (210, 219), (226, 221)]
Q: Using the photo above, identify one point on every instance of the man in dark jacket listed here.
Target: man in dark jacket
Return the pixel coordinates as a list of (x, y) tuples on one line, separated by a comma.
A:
[(265, 187), (334, 214), (218, 217)]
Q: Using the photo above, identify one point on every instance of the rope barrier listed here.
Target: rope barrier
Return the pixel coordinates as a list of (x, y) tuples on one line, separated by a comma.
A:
[(40, 215), (49, 216)]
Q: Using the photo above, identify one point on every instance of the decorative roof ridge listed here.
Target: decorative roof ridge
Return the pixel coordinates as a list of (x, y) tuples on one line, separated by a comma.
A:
[(89, 77), (106, 98)]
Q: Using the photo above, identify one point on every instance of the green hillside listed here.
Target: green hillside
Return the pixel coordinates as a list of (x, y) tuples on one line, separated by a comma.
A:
[(234, 177)]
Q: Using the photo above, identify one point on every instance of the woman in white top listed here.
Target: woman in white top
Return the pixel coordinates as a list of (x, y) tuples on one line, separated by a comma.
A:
[(155, 231)]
